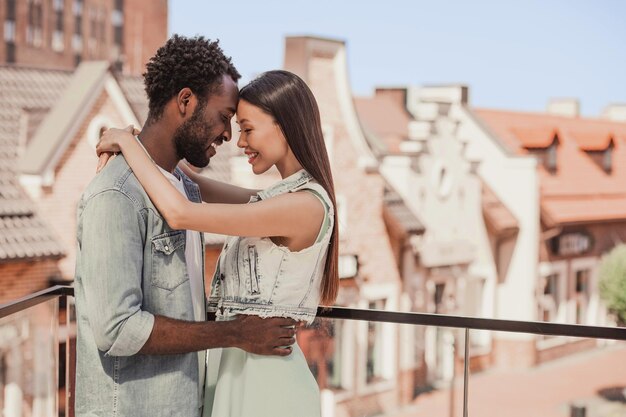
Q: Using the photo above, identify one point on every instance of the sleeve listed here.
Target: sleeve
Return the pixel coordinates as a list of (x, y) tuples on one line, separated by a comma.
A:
[(111, 248)]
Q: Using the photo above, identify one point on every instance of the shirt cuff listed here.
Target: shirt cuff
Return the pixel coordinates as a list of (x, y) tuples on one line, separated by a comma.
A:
[(133, 335)]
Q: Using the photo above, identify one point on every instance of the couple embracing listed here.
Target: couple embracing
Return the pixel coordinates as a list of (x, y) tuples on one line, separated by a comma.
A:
[(145, 346)]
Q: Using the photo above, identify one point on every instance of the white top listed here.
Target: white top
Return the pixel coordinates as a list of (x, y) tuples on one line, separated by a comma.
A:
[(193, 259), (256, 276)]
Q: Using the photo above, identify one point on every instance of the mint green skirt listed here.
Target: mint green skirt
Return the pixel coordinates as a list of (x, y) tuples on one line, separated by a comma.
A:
[(242, 384)]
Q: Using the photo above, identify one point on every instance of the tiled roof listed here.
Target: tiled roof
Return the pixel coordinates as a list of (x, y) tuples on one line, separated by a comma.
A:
[(25, 93), (26, 237), (535, 136), (580, 190), (384, 118), (590, 140)]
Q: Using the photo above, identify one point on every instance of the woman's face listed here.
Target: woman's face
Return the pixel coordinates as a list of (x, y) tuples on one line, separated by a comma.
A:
[(261, 138)]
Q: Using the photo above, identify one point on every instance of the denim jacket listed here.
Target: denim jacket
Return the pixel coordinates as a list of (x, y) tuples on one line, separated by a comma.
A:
[(256, 276), (130, 267)]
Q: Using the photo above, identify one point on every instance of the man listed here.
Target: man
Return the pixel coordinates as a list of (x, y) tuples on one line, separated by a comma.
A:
[(140, 300)]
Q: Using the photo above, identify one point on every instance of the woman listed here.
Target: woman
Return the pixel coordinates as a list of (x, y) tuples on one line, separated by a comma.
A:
[(282, 257)]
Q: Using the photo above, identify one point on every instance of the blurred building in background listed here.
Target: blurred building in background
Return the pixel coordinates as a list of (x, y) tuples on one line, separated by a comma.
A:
[(68, 69), (442, 207), (62, 33), (50, 123)]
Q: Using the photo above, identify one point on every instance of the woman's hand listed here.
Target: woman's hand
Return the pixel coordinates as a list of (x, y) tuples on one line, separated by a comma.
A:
[(111, 143)]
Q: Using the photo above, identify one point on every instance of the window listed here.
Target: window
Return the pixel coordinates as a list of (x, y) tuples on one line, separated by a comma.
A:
[(78, 17), (334, 364), (62, 364), (34, 36), (78, 7), (9, 31), (374, 357), (607, 159), (59, 22), (551, 157), (77, 43), (117, 18), (118, 33), (551, 298), (10, 10), (58, 41), (438, 298), (57, 5), (10, 52), (581, 295)]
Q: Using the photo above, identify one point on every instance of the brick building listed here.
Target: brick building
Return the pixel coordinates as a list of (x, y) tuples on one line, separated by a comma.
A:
[(62, 33), (50, 121)]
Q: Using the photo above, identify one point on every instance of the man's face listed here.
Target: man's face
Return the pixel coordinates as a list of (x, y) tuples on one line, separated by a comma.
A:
[(197, 138)]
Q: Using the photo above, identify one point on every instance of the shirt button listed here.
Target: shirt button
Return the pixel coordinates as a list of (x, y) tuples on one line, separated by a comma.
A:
[(167, 247)]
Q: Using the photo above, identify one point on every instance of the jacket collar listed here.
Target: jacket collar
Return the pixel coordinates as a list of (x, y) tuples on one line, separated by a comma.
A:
[(284, 186)]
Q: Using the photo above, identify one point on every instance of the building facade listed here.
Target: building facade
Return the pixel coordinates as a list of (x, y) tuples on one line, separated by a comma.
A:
[(50, 122), (62, 33)]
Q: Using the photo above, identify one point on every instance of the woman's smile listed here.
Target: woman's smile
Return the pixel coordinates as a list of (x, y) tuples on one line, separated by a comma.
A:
[(252, 156)]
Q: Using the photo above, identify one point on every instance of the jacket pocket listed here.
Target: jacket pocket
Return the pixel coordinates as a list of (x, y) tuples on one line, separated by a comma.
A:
[(169, 269), (253, 264)]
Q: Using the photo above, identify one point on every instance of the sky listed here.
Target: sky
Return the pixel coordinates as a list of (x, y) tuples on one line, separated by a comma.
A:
[(512, 55)]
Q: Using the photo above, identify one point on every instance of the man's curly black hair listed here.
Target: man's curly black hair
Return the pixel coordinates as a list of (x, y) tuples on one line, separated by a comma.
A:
[(196, 63)]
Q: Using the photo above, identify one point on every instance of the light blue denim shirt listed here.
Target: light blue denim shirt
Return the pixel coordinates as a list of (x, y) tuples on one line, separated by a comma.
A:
[(130, 267)]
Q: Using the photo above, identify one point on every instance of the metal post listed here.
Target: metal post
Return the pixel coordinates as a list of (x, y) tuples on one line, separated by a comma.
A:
[(454, 348), (466, 372)]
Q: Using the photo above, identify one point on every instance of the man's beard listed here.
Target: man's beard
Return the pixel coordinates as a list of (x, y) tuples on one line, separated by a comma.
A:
[(192, 138)]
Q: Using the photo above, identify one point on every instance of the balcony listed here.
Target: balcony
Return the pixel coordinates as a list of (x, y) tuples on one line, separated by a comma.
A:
[(367, 362)]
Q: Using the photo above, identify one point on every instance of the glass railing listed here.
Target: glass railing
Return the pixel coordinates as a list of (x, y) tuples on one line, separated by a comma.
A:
[(33, 355), (372, 363), (369, 363)]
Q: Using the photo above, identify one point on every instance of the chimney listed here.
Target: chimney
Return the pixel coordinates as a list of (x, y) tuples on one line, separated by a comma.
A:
[(615, 112), (397, 95), (567, 107)]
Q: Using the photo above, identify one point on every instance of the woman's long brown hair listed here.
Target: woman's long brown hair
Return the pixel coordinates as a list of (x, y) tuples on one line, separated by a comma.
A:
[(288, 99)]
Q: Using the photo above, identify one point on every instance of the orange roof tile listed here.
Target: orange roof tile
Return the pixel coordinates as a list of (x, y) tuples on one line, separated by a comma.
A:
[(535, 136), (579, 190), (592, 140)]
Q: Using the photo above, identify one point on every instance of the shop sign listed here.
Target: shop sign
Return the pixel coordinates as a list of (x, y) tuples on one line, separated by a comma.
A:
[(572, 244)]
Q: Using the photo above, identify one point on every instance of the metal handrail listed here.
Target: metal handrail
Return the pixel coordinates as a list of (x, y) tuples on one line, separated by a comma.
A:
[(32, 300), (476, 323), (424, 319)]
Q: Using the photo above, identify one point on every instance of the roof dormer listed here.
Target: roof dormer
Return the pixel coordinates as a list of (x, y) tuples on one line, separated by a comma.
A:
[(598, 146), (541, 142)]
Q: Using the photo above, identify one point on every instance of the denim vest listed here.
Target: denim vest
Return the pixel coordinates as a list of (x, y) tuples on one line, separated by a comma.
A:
[(130, 266), (256, 276)]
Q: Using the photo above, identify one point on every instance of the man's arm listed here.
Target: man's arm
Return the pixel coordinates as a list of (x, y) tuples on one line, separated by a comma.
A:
[(112, 262), (250, 333)]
